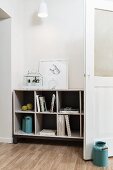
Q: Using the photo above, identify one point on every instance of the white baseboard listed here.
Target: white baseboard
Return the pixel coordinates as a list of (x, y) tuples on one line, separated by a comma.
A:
[(6, 140)]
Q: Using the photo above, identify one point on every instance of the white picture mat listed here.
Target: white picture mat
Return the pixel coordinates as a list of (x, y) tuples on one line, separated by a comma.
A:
[(54, 81)]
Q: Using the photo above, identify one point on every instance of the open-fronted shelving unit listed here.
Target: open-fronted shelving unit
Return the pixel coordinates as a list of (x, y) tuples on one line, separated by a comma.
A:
[(67, 102)]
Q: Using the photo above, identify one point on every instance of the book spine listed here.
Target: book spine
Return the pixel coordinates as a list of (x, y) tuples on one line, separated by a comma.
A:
[(44, 103), (61, 125), (68, 125), (52, 102), (37, 103), (41, 104)]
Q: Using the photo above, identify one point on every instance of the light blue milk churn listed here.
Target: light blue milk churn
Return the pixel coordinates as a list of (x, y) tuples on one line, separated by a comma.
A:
[(100, 154), (27, 124)]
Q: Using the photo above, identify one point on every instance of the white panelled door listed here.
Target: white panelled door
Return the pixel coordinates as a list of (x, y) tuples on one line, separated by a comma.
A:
[(98, 75)]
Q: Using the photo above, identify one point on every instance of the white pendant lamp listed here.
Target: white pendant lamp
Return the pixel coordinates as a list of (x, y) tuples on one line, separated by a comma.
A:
[(43, 10)]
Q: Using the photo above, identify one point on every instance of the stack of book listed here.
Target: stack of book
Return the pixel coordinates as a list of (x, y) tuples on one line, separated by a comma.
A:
[(69, 111), (41, 103), (48, 132)]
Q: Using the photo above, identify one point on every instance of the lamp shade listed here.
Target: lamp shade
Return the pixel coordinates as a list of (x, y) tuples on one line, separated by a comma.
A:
[(43, 10)]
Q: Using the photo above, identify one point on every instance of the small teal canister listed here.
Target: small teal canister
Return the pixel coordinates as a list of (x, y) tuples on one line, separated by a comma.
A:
[(27, 124), (100, 154)]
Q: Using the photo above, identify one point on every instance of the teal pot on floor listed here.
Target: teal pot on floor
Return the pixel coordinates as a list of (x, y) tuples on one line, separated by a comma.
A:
[(100, 154)]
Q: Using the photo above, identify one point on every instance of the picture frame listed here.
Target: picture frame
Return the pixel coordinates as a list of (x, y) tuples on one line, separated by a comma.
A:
[(55, 74)]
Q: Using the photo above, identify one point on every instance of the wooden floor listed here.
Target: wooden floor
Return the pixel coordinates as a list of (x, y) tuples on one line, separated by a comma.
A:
[(44, 157)]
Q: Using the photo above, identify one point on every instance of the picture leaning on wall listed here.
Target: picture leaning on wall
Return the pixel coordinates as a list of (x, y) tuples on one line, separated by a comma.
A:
[(55, 74)]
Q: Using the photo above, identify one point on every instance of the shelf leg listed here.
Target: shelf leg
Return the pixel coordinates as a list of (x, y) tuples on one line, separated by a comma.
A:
[(15, 140)]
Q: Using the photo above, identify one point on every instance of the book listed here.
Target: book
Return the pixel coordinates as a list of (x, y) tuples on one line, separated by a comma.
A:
[(37, 103), (48, 132), (42, 104), (52, 103), (69, 112), (68, 125), (61, 125)]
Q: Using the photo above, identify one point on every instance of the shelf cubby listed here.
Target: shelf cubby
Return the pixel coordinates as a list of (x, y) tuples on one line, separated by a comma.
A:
[(74, 121), (18, 123), (23, 98), (45, 121), (69, 100), (48, 98)]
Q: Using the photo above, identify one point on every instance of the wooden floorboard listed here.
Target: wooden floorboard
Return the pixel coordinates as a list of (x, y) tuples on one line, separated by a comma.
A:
[(44, 157)]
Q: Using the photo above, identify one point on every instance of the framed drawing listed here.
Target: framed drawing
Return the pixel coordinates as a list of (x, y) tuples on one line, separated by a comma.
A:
[(55, 74)]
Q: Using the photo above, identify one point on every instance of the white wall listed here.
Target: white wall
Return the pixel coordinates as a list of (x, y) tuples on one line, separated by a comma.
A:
[(11, 65), (15, 9), (5, 81), (60, 36)]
